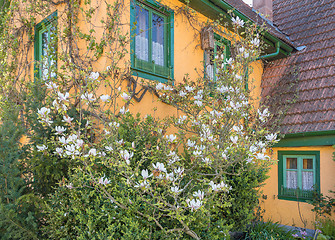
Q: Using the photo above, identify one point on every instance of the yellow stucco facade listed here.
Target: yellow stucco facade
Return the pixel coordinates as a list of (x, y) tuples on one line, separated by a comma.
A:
[(296, 213), (188, 59)]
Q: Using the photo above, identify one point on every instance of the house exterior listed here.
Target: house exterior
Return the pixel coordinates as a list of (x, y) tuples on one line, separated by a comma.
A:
[(300, 40), (305, 154)]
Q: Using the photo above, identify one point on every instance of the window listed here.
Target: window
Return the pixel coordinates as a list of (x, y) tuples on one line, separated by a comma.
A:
[(152, 45), (222, 51), (298, 174), (46, 48)]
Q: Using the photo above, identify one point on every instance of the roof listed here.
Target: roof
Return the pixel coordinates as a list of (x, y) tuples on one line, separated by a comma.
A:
[(255, 17), (214, 9), (310, 72)]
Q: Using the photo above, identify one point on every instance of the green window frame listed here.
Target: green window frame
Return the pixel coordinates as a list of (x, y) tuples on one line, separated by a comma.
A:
[(147, 68), (298, 164), (45, 48), (210, 65)]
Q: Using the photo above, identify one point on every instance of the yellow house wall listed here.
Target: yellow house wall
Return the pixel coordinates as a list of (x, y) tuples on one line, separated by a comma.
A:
[(288, 212)]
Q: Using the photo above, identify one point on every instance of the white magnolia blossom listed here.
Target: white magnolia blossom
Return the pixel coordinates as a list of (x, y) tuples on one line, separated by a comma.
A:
[(43, 112), (207, 160), (109, 148), (271, 137), (60, 129), (121, 142), (189, 89), (219, 187), (159, 86), (92, 152), (71, 150), (198, 103), (59, 151), (182, 119), (126, 155), (253, 149), (262, 156), (145, 174), (94, 75), (223, 89), (114, 124), (51, 85), (123, 110), (199, 194), (79, 143), (263, 115), (229, 61), (67, 119), (171, 138), (194, 204), (238, 128), (237, 21), (105, 98), (41, 147), (62, 140), (197, 153), (125, 96), (234, 139), (190, 143), (69, 186), (72, 138), (176, 190), (88, 96), (179, 171), (63, 97), (104, 181), (261, 145), (144, 184), (170, 177), (167, 88), (255, 42), (238, 77), (182, 93), (173, 157), (159, 167)]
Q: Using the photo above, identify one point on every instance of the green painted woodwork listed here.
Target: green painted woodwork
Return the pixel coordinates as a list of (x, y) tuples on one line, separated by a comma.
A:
[(148, 69), (216, 9), (44, 26), (325, 138), (297, 194), (219, 41)]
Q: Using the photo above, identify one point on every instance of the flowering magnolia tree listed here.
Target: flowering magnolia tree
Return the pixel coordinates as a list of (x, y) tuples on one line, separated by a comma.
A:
[(180, 175), (168, 176)]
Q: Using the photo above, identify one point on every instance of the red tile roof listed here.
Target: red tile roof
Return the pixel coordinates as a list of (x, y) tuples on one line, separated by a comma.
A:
[(309, 73)]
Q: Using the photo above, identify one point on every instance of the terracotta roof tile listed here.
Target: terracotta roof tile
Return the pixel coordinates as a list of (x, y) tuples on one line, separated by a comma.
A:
[(309, 73)]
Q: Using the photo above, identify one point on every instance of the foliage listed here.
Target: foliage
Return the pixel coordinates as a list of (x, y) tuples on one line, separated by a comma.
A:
[(268, 230), (323, 204), (159, 178), (326, 228), (244, 195), (18, 207)]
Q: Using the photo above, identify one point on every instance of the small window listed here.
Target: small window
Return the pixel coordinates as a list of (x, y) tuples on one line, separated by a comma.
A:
[(46, 48), (152, 45), (220, 54), (298, 174)]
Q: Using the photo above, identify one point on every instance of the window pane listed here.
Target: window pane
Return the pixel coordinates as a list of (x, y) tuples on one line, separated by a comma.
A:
[(291, 179), (142, 34), (291, 163), (44, 59), (158, 39), (308, 163), (307, 180)]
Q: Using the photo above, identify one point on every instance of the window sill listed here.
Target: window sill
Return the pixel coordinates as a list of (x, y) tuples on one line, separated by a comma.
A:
[(148, 75), (294, 199)]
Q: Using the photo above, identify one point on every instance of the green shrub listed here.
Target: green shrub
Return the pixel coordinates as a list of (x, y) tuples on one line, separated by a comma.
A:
[(327, 228), (267, 231)]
